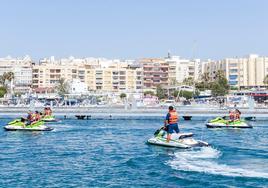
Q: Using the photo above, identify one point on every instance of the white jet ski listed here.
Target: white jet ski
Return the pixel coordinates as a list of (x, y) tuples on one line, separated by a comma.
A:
[(180, 140)]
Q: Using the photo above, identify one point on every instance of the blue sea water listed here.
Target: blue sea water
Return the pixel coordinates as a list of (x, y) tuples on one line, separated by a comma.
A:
[(114, 153)]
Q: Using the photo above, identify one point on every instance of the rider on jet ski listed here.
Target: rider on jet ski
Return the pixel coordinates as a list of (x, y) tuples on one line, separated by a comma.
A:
[(171, 122), (234, 115), (237, 114), (28, 120)]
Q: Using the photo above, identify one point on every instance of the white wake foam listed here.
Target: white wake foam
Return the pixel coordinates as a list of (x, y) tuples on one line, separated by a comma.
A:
[(204, 160)]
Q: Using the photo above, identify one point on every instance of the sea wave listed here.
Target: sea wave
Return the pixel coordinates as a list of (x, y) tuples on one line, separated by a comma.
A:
[(204, 161)]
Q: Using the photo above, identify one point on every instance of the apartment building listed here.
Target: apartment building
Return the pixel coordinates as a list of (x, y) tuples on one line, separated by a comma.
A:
[(247, 72), (180, 69), (211, 67), (116, 77), (48, 72), (22, 69), (172, 62), (97, 74), (155, 71)]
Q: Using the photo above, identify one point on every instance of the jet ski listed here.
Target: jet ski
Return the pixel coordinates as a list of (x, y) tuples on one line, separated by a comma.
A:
[(49, 119), (220, 122), (18, 125), (180, 140)]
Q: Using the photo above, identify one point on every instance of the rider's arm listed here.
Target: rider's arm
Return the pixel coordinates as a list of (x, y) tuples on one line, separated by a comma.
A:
[(166, 120)]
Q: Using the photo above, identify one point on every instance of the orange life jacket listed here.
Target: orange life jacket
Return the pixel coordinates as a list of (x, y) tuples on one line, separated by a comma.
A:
[(173, 117)]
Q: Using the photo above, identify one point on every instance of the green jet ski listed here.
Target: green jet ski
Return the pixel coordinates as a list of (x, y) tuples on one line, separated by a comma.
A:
[(49, 119), (20, 125), (220, 122)]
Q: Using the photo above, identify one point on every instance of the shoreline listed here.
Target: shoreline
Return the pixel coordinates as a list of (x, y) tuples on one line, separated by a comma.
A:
[(117, 111)]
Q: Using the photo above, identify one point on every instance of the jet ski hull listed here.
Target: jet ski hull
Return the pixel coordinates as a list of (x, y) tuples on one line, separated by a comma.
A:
[(17, 125), (159, 142), (20, 128), (222, 125), (183, 141), (49, 119)]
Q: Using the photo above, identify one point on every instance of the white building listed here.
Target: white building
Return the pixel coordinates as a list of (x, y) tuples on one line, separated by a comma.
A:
[(180, 69), (77, 87)]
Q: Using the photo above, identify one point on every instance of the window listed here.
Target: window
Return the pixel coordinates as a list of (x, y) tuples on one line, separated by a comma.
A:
[(233, 77), (233, 70), (233, 82), (233, 64)]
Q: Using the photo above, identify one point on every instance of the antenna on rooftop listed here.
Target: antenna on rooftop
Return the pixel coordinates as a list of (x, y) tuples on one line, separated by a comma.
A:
[(169, 54)]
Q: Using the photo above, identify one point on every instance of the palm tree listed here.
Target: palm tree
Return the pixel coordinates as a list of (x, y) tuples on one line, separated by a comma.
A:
[(173, 82), (205, 80), (62, 87), (10, 78), (219, 74), (122, 96), (265, 80), (6, 79), (205, 77), (2, 80), (188, 81)]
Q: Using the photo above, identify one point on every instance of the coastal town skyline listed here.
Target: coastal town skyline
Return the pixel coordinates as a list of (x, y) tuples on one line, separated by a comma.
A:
[(145, 74), (168, 54), (126, 30)]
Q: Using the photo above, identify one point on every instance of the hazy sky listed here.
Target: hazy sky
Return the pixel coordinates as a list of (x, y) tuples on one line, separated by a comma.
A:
[(133, 28)]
